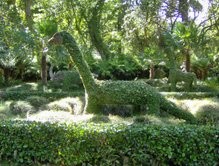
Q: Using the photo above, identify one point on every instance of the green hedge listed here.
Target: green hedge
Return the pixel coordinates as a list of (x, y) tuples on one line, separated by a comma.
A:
[(190, 95), (29, 143), (12, 95)]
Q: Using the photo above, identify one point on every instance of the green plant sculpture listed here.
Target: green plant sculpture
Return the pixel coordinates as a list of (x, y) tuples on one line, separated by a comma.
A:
[(100, 93), (176, 75)]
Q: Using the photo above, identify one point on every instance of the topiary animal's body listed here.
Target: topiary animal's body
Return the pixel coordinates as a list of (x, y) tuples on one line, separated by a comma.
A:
[(99, 93), (176, 75)]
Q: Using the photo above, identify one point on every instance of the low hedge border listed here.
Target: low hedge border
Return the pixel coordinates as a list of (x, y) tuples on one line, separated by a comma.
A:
[(190, 95), (12, 95), (34, 143)]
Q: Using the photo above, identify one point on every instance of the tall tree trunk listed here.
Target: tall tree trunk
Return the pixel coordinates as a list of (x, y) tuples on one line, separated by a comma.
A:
[(184, 11), (120, 22), (28, 14), (94, 31)]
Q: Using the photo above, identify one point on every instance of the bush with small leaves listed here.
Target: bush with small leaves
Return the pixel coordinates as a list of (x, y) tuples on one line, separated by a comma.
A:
[(21, 108), (35, 143), (51, 96), (67, 80), (142, 119), (100, 119), (37, 101), (120, 110), (69, 104), (2, 116), (208, 114)]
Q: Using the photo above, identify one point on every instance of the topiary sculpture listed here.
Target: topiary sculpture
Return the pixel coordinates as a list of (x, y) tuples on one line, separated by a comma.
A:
[(176, 75), (99, 93)]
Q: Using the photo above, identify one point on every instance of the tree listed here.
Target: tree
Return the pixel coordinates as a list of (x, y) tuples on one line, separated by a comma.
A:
[(16, 41)]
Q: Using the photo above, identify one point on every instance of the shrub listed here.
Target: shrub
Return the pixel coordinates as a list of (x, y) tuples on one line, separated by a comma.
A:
[(142, 119), (59, 106), (29, 143), (208, 114), (37, 101), (23, 87), (100, 119), (121, 67), (20, 108), (67, 80), (2, 116), (190, 95), (213, 82), (120, 110), (49, 95), (69, 104)]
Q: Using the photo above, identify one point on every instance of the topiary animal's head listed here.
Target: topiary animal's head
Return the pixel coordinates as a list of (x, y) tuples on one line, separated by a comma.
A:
[(60, 38)]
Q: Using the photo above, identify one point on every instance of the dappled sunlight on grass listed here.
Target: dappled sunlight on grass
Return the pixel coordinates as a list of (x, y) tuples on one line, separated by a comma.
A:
[(119, 119), (193, 105), (73, 105), (58, 116), (5, 111), (24, 87), (152, 119)]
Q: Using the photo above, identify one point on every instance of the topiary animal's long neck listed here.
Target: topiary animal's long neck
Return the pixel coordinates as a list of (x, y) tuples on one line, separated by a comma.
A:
[(81, 65)]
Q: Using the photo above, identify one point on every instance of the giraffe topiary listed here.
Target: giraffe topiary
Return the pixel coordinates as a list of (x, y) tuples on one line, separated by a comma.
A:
[(100, 93)]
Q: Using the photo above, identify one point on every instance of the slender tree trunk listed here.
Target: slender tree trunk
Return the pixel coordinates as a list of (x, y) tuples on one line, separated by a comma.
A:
[(7, 74), (44, 69), (152, 72), (120, 23), (94, 31), (187, 60), (184, 11), (28, 14)]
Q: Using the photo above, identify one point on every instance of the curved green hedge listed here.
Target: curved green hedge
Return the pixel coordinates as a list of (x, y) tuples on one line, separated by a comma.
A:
[(29, 143), (13, 95), (190, 95)]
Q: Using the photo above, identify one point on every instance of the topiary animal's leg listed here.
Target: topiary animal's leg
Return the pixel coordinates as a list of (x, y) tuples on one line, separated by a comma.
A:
[(153, 107), (188, 85), (92, 107), (173, 85)]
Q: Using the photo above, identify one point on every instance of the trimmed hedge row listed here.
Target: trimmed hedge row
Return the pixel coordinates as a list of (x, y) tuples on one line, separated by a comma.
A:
[(12, 95), (190, 95), (29, 143)]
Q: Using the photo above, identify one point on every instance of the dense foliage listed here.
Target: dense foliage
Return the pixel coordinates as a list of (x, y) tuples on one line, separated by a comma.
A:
[(150, 33), (28, 143), (49, 95)]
